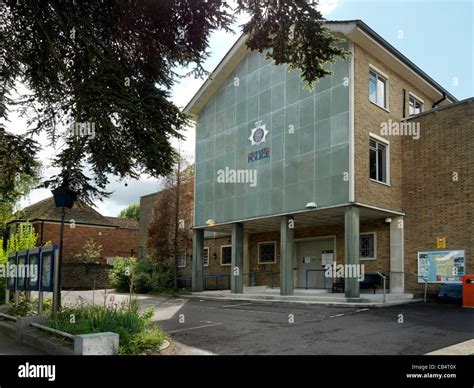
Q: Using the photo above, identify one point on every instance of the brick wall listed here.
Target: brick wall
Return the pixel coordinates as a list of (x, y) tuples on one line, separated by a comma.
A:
[(215, 267), (114, 241), (81, 276), (382, 262), (147, 203), (435, 204), (368, 118)]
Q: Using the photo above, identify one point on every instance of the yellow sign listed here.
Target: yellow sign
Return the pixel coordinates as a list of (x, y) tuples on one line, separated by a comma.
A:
[(441, 242)]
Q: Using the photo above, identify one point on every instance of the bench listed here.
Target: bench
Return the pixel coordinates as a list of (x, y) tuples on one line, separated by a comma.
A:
[(370, 281)]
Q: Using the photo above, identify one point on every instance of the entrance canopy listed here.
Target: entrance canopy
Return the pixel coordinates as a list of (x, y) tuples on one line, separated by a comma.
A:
[(303, 219)]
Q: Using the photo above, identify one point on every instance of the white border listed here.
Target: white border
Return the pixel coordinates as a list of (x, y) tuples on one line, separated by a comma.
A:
[(386, 78), (352, 124), (387, 144)]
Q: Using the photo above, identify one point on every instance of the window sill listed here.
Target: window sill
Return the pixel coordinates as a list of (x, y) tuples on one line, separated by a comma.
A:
[(379, 106), (381, 183), (225, 265), (367, 259), (267, 262)]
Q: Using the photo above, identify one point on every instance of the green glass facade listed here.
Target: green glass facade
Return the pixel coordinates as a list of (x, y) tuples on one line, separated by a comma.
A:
[(305, 155)]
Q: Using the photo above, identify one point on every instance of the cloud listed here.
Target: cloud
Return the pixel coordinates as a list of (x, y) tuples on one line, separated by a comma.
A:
[(327, 7)]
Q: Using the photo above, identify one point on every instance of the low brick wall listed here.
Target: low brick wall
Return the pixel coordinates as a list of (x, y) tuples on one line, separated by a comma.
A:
[(85, 276)]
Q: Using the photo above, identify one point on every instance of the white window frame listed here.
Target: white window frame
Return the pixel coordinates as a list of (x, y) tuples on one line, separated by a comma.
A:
[(222, 255), (183, 257), (266, 262), (375, 246), (208, 257), (418, 99), (380, 74), (377, 138), (23, 227)]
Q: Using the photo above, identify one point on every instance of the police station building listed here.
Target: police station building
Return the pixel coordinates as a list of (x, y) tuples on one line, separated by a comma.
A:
[(371, 169)]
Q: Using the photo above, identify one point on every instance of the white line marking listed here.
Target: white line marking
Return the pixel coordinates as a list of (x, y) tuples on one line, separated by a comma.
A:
[(337, 315), (239, 304), (194, 328)]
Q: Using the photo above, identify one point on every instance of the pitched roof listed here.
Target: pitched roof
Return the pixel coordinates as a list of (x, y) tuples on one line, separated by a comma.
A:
[(355, 30), (124, 223), (46, 210)]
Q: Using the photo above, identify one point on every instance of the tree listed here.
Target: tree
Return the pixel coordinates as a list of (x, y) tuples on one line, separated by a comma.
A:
[(131, 212), (99, 73), (169, 231), (19, 173)]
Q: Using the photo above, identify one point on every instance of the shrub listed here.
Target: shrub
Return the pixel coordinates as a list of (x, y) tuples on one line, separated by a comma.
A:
[(146, 275), (28, 308), (121, 275), (136, 335)]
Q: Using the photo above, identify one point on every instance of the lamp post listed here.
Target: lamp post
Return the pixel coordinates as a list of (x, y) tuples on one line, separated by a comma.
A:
[(64, 198)]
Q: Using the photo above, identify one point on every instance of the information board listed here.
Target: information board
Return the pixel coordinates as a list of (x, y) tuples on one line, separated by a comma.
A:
[(441, 266)]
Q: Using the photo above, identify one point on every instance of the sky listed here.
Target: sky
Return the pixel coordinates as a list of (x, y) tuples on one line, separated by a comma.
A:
[(438, 36)]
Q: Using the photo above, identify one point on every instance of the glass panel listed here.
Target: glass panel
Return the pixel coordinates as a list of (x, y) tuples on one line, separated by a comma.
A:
[(226, 255), (381, 92), (382, 170), (411, 103), (373, 164), (372, 87), (307, 135)]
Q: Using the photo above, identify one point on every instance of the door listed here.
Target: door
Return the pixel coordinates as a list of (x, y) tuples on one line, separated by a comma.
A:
[(309, 255)]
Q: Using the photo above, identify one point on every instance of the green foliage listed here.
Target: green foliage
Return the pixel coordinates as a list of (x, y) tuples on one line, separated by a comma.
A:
[(145, 275), (131, 212), (29, 307), (91, 252), (27, 239), (19, 170), (112, 64), (121, 275), (136, 335), (153, 276)]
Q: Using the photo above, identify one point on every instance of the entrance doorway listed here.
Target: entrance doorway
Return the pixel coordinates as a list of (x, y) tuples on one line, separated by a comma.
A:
[(310, 257)]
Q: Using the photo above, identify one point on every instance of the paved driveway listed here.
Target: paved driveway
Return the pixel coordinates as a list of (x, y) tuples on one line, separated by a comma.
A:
[(8, 346), (236, 327)]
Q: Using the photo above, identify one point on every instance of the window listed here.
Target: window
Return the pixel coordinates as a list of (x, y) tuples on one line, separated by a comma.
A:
[(26, 226), (205, 257), (226, 255), (378, 160), (266, 252), (378, 89), (367, 246), (415, 105), (182, 260)]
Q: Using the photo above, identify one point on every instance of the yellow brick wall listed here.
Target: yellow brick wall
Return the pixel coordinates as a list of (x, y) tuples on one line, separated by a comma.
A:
[(368, 118)]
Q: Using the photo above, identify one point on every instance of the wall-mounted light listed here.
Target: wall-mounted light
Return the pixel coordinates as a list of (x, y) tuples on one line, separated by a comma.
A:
[(388, 220), (210, 222), (311, 205)]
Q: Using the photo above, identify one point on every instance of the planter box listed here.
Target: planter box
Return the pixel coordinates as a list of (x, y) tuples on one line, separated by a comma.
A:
[(41, 337)]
